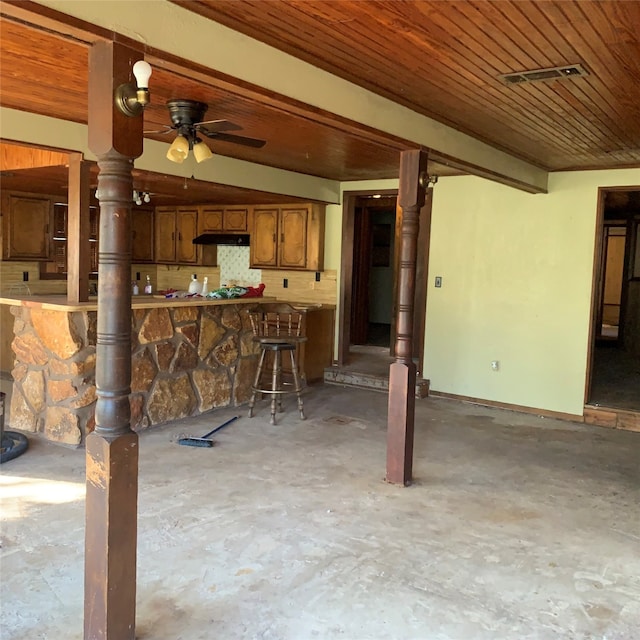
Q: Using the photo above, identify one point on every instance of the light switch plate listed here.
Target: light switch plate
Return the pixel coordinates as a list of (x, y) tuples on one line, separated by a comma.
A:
[(438, 281)]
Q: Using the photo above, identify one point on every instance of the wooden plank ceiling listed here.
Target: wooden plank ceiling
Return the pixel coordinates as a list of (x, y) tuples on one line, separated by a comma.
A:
[(443, 59), (439, 58)]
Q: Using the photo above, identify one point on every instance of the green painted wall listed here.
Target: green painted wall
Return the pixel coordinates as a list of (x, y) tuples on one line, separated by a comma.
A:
[(517, 277)]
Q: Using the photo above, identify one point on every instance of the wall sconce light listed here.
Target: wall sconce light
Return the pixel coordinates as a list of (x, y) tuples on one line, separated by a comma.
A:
[(427, 181), (131, 100), (185, 141)]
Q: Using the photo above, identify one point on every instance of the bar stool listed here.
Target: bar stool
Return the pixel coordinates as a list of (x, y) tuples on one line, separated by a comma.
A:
[(277, 332)]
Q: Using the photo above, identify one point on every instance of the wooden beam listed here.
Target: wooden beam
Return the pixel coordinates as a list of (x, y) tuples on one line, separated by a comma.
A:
[(112, 449), (78, 230), (402, 373)]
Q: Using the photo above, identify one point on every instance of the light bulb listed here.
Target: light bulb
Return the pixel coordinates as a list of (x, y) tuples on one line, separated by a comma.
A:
[(147, 197), (142, 72), (201, 151), (178, 150)]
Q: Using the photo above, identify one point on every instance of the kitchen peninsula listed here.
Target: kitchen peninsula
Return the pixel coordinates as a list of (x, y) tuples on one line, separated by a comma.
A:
[(189, 356)]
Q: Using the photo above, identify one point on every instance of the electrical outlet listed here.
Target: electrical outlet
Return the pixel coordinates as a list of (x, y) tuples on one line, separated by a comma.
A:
[(317, 276), (25, 276), (438, 281), (495, 365), (285, 283)]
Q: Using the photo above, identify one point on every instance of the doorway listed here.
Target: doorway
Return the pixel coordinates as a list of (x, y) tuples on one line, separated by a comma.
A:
[(373, 271), (614, 373), (371, 227)]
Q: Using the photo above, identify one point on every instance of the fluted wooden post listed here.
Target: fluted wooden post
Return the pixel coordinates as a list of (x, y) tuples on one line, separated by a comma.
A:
[(112, 449), (402, 372)]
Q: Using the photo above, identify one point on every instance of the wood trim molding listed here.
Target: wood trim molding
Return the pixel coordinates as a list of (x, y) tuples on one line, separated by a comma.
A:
[(506, 405)]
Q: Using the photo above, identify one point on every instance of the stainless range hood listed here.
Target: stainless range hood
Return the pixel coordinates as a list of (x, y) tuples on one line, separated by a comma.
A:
[(235, 239)]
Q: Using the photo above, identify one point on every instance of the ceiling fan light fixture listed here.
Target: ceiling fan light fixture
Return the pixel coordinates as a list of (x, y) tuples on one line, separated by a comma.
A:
[(178, 150), (201, 151)]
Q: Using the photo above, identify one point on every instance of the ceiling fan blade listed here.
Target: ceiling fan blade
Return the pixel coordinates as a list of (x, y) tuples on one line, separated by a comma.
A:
[(219, 125), (229, 137), (167, 129)]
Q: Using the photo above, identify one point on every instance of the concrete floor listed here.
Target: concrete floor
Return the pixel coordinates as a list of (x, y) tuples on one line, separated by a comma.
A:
[(517, 527)]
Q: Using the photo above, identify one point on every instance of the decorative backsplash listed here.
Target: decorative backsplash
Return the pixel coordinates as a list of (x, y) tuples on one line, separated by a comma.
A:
[(234, 266)]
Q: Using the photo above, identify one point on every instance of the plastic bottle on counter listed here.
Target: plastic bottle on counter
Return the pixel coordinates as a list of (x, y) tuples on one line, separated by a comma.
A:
[(147, 287), (136, 288), (205, 286), (194, 285)]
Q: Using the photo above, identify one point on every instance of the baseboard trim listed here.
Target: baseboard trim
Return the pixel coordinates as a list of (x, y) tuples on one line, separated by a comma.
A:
[(559, 415)]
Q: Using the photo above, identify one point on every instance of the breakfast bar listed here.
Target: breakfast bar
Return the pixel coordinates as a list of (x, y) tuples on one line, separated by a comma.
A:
[(189, 356)]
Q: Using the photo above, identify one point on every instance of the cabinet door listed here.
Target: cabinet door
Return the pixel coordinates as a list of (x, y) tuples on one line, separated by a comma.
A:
[(187, 228), (210, 219), (142, 235), (235, 219), (26, 227), (293, 238), (165, 234), (264, 235)]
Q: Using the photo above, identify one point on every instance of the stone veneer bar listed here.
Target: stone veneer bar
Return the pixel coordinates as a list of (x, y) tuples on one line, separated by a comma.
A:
[(187, 358)]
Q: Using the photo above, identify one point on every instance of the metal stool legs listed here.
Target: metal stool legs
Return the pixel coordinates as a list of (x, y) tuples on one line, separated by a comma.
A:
[(278, 387), (297, 384)]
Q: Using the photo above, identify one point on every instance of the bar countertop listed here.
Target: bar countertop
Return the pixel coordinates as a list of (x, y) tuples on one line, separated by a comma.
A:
[(59, 302)]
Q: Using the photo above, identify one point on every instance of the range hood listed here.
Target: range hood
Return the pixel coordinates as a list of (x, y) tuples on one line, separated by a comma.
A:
[(235, 239)]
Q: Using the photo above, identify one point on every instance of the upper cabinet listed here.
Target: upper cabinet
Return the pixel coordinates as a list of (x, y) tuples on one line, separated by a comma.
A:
[(175, 229), (57, 265), (222, 219), (27, 220), (288, 237), (142, 234)]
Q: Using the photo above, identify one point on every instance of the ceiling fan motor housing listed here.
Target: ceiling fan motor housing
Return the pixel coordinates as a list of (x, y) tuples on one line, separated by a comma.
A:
[(186, 112)]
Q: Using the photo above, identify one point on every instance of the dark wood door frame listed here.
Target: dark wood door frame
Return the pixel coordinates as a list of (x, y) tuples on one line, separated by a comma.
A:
[(596, 282), (347, 267)]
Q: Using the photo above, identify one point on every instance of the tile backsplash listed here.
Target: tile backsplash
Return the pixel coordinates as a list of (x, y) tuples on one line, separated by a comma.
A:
[(234, 266)]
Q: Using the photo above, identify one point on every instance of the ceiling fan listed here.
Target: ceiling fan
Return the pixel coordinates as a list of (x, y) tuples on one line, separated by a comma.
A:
[(187, 119)]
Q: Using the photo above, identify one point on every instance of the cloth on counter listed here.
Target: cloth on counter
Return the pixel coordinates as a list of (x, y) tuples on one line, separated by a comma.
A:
[(237, 292)]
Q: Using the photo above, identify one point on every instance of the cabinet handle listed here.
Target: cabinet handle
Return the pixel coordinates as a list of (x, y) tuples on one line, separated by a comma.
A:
[(282, 237), (274, 238), (180, 236)]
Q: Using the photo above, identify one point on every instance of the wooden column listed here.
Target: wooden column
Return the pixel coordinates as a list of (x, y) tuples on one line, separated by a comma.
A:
[(112, 449), (78, 225), (402, 373)]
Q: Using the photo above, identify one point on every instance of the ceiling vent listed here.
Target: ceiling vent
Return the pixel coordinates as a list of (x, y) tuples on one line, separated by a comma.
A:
[(544, 75)]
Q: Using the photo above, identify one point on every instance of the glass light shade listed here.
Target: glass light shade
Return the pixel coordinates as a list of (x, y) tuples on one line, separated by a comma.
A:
[(142, 72), (201, 152), (178, 150), (147, 197)]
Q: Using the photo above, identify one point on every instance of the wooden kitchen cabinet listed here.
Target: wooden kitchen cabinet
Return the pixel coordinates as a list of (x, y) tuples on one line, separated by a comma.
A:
[(57, 266), (222, 219), (27, 220), (288, 237), (315, 353), (142, 234), (175, 228)]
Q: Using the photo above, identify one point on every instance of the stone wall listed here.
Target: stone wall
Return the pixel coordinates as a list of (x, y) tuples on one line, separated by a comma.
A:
[(185, 361)]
